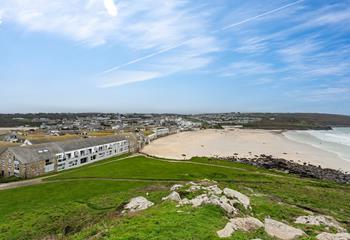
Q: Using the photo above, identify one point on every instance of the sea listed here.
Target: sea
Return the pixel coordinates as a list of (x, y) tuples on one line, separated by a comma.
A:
[(335, 141)]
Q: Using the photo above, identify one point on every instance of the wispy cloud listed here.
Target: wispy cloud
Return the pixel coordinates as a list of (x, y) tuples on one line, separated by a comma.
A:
[(292, 42), (248, 68), (328, 94), (150, 26), (221, 29), (111, 7), (307, 44), (124, 77)]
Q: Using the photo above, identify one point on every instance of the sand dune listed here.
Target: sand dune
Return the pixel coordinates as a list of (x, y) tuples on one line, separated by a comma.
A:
[(245, 143)]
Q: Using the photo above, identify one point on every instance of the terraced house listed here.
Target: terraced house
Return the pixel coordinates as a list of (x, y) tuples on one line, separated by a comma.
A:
[(35, 160)]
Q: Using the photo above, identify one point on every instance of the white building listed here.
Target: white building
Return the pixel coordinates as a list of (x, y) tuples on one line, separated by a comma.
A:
[(161, 131), (38, 159)]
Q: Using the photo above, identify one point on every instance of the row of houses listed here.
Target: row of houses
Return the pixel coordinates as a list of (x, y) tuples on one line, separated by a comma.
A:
[(35, 160)]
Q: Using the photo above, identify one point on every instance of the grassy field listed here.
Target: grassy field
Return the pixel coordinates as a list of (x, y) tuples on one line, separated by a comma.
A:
[(82, 203)]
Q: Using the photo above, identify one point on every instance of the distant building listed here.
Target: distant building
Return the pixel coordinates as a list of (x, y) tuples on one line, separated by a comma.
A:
[(13, 137), (35, 160), (161, 131)]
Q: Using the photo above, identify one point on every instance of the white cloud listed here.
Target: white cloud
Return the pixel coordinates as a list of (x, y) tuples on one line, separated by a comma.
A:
[(330, 15), (141, 27), (111, 7), (125, 77), (139, 24), (322, 94), (248, 68), (195, 54)]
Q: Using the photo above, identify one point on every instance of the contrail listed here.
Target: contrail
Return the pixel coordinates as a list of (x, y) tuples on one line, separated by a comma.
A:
[(147, 56), (259, 16), (184, 42)]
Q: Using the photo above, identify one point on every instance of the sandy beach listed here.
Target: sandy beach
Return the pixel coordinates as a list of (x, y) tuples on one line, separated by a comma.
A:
[(245, 143)]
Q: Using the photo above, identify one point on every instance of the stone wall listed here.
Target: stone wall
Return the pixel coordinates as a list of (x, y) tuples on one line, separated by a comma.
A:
[(33, 169), (25, 170), (6, 164)]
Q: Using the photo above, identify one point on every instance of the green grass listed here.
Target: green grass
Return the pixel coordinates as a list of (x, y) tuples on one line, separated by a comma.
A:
[(83, 202), (147, 168)]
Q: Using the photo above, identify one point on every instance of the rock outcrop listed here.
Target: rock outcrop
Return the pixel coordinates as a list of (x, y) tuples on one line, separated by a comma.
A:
[(320, 220), (176, 187), (246, 224), (281, 231), (210, 198), (242, 224), (303, 170), (330, 236), (243, 199), (137, 204), (173, 196), (226, 231)]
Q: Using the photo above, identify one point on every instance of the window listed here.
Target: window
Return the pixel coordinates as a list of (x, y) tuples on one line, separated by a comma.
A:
[(83, 160), (47, 162), (16, 165)]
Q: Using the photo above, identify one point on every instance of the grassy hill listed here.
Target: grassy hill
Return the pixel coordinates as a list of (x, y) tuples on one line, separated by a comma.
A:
[(82, 203)]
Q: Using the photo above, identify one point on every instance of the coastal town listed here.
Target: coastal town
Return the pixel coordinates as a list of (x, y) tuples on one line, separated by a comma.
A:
[(173, 165), (46, 145), (175, 120), (36, 144)]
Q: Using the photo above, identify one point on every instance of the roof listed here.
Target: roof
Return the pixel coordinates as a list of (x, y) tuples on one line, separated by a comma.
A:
[(29, 154), (3, 149)]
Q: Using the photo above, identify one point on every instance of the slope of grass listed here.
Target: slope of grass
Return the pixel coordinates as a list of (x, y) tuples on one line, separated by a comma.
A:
[(147, 168), (164, 222), (28, 212), (83, 202)]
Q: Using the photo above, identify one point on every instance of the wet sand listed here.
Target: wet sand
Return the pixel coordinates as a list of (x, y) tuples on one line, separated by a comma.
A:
[(243, 143)]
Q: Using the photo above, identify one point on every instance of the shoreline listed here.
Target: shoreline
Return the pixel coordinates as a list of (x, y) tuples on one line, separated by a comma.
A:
[(242, 143)]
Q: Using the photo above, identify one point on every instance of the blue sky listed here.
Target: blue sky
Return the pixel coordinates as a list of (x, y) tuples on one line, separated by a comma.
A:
[(184, 56)]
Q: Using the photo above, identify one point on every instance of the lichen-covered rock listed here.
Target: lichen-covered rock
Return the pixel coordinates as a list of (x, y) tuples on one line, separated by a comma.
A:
[(330, 236), (184, 201), (137, 204), (226, 231), (194, 188), (246, 224), (176, 187), (173, 196), (282, 231), (243, 199), (199, 200), (214, 189), (242, 224), (320, 220)]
